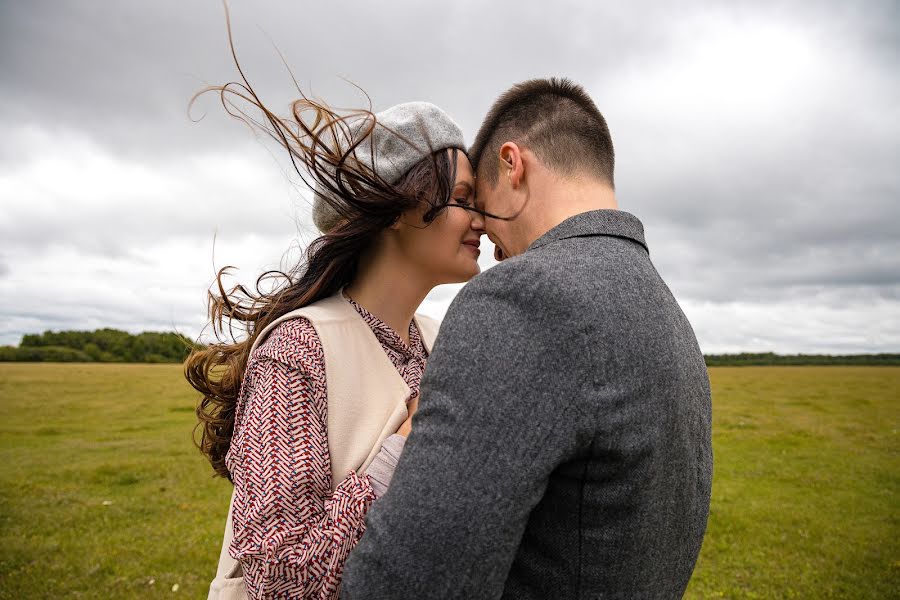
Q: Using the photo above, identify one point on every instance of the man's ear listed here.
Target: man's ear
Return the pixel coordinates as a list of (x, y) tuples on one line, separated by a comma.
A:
[(511, 165)]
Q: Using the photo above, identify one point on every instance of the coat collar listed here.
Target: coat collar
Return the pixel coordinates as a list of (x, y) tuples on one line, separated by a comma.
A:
[(608, 222)]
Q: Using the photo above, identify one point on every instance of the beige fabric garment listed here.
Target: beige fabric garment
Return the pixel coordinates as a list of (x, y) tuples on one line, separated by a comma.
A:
[(366, 403)]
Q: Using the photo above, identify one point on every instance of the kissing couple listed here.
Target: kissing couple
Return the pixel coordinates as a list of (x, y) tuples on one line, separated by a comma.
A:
[(550, 438)]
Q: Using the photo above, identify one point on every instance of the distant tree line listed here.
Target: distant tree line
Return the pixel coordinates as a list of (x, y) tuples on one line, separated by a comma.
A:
[(102, 345), (770, 358), (113, 345)]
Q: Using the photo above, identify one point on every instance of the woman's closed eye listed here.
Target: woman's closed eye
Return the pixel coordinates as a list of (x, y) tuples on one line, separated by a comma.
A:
[(463, 193)]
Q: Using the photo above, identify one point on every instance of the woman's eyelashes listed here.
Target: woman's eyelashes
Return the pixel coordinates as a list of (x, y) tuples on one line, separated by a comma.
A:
[(463, 198)]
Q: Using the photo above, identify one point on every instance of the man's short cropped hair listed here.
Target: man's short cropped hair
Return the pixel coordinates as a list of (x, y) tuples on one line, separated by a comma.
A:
[(555, 119)]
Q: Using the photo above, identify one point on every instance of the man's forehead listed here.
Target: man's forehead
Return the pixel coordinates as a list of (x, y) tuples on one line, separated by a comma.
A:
[(482, 193)]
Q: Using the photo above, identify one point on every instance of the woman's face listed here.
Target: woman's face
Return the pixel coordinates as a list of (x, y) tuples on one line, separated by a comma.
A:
[(447, 249)]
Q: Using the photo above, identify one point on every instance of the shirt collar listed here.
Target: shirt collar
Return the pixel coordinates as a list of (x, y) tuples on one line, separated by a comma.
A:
[(608, 222), (386, 335)]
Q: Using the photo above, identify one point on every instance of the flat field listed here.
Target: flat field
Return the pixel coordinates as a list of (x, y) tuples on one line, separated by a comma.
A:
[(103, 495)]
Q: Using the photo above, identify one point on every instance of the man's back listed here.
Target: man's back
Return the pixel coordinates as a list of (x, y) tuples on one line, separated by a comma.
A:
[(562, 445), (625, 516)]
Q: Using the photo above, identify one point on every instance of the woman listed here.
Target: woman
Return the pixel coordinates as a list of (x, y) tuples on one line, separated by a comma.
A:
[(306, 416)]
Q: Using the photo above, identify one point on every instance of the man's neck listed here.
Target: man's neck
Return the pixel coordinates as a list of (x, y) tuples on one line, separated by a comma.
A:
[(564, 200)]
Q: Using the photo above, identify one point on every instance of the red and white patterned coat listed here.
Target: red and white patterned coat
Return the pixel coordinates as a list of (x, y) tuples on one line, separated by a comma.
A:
[(292, 535)]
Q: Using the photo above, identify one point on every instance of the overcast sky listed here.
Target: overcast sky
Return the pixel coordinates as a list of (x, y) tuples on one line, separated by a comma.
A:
[(757, 141)]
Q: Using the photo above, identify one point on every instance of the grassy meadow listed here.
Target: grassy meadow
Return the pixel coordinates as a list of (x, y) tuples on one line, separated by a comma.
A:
[(103, 495)]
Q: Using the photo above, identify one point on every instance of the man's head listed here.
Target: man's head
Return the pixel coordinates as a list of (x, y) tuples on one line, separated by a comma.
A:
[(540, 132)]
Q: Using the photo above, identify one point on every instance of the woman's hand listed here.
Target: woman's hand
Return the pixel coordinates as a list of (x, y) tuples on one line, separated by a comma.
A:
[(411, 408)]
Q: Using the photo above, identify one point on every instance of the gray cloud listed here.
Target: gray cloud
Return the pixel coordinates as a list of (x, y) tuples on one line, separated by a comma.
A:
[(756, 141)]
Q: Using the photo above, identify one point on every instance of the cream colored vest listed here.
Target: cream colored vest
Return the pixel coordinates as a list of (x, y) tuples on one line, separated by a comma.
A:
[(366, 403)]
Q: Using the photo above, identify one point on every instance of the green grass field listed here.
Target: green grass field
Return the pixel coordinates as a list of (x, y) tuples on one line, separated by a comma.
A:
[(103, 495)]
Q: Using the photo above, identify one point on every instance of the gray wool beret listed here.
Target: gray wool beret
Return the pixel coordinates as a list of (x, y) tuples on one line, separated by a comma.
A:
[(404, 134)]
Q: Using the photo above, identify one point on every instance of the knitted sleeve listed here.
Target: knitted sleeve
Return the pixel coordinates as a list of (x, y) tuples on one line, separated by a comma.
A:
[(381, 469)]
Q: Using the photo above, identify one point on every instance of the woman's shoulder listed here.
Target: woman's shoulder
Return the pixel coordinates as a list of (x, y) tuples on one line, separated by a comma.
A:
[(294, 343)]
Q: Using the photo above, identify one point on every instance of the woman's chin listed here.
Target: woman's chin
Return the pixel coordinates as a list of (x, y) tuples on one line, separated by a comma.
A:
[(472, 268), (462, 275)]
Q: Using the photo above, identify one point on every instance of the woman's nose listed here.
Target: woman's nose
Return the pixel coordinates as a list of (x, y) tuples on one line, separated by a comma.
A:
[(477, 222)]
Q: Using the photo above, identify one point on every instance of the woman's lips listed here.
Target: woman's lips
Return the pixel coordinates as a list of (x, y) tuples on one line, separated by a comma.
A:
[(473, 244)]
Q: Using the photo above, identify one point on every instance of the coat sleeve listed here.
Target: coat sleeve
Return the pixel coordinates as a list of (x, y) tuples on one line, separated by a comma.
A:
[(495, 419), (291, 533)]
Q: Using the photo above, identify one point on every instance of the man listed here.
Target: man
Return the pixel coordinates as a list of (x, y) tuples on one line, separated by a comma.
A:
[(561, 448)]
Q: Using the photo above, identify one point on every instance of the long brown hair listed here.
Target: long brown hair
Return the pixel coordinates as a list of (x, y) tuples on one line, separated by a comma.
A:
[(315, 138)]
